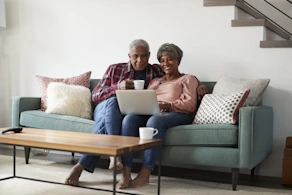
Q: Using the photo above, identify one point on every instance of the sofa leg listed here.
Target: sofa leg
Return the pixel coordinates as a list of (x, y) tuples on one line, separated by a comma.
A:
[(26, 154), (252, 171), (235, 173), (72, 153)]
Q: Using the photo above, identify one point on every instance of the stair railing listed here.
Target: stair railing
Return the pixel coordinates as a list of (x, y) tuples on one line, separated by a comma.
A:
[(268, 17), (278, 8)]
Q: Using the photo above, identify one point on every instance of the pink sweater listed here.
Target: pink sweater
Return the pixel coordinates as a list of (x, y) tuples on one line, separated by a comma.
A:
[(181, 93)]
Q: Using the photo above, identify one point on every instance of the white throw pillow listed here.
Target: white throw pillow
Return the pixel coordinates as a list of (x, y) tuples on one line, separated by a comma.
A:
[(227, 85), (70, 100), (220, 109)]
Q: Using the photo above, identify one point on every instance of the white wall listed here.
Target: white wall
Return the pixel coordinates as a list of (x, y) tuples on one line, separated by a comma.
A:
[(64, 38)]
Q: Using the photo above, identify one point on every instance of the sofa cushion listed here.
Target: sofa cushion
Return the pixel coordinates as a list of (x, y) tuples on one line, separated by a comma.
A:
[(42, 120), (83, 80), (72, 100), (228, 85), (220, 109), (202, 135)]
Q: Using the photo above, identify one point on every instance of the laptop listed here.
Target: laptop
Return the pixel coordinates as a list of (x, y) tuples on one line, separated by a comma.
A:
[(141, 102)]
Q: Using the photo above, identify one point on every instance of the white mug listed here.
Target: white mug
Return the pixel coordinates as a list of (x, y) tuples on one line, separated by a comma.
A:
[(139, 84), (147, 132)]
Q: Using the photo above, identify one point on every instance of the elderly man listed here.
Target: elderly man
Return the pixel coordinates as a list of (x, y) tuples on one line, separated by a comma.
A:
[(107, 114)]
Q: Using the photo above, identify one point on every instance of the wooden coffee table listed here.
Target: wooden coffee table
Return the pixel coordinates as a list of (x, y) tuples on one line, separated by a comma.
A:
[(96, 144)]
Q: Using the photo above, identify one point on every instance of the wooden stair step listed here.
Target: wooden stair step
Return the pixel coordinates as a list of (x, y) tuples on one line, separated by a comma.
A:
[(270, 25), (219, 3), (275, 28), (248, 22), (261, 22), (275, 44)]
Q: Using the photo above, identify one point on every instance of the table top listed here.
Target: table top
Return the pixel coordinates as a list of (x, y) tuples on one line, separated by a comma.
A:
[(77, 142)]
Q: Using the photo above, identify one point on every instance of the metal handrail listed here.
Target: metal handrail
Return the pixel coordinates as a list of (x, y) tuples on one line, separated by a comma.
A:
[(277, 8), (267, 17)]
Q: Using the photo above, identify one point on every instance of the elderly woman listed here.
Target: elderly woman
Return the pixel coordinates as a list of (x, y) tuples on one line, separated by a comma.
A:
[(177, 97)]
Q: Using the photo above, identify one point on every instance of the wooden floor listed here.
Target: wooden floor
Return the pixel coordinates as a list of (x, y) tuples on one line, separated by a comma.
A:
[(212, 176)]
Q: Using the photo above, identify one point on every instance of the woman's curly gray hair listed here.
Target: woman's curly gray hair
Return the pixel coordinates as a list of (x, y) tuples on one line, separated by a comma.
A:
[(171, 50), (139, 42)]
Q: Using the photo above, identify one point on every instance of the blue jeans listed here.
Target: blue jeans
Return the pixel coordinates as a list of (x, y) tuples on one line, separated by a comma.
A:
[(163, 121), (108, 120)]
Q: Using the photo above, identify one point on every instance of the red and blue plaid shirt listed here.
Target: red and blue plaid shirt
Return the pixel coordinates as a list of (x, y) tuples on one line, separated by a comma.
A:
[(116, 73)]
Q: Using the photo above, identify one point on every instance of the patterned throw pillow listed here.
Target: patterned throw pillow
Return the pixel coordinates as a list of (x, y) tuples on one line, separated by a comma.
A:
[(72, 100), (220, 109), (227, 86), (83, 80)]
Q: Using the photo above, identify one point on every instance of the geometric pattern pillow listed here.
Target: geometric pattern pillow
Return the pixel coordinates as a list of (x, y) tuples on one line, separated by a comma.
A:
[(83, 80), (220, 109), (227, 85)]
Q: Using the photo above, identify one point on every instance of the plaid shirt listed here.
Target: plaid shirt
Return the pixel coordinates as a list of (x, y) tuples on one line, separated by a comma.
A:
[(116, 73)]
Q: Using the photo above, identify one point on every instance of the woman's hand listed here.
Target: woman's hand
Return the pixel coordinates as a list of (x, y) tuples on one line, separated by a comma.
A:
[(164, 106), (202, 90)]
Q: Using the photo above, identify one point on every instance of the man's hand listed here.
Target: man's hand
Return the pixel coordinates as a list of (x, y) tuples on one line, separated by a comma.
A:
[(126, 84), (202, 90)]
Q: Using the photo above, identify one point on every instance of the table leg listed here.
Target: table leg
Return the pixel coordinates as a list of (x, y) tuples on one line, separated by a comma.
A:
[(14, 161), (115, 175), (159, 172)]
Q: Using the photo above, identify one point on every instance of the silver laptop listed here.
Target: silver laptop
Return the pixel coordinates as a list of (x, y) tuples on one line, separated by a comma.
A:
[(142, 102)]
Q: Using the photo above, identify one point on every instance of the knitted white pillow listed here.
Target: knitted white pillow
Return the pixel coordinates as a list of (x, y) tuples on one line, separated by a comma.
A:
[(72, 100), (220, 109), (227, 86)]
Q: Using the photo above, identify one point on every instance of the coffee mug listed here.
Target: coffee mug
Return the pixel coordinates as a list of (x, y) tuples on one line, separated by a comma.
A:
[(147, 132), (139, 84)]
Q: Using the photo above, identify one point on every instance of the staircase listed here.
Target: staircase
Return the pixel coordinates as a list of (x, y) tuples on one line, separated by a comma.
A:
[(275, 36)]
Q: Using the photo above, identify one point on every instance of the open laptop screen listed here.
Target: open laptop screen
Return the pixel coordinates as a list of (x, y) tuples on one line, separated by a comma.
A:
[(142, 102)]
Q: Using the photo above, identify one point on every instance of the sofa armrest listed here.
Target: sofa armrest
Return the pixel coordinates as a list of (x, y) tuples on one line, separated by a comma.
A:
[(20, 104), (255, 136)]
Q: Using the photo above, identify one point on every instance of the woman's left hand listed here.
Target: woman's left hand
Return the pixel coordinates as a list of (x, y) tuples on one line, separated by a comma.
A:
[(164, 106), (202, 90)]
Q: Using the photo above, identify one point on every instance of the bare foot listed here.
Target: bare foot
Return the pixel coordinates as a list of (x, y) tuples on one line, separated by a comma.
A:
[(112, 163), (75, 173), (126, 178), (142, 179)]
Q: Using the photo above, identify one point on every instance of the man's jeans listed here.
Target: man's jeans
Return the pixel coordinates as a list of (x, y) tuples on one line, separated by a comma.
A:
[(108, 120), (163, 121)]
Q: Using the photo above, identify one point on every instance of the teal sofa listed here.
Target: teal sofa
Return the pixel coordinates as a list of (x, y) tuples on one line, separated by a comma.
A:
[(240, 146)]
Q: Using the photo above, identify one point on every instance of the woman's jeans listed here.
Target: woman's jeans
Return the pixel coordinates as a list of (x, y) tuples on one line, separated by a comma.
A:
[(108, 120), (162, 121)]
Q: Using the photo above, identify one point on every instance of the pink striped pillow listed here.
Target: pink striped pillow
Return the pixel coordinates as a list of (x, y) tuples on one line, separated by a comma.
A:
[(82, 80)]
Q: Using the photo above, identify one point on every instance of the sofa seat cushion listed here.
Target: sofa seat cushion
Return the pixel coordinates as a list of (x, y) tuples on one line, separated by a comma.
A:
[(223, 135), (42, 120)]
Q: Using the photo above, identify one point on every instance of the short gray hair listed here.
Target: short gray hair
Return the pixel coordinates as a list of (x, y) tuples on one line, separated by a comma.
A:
[(139, 42), (170, 50)]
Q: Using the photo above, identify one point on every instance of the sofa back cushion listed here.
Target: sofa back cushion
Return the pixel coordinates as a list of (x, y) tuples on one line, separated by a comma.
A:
[(210, 85), (93, 83)]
